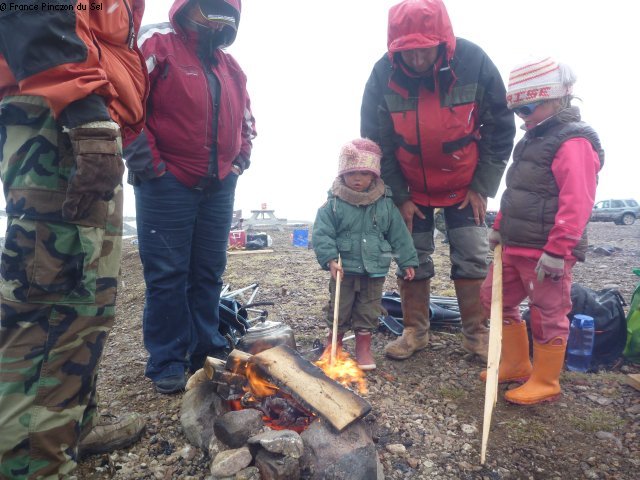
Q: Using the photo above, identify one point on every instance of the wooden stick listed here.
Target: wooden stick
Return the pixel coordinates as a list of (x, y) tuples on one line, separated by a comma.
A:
[(495, 345), (336, 308)]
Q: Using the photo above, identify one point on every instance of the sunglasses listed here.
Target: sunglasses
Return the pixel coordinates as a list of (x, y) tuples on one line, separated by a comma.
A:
[(528, 109)]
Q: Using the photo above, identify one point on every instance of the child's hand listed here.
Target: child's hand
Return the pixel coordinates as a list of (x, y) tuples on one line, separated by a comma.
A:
[(335, 268), (409, 273)]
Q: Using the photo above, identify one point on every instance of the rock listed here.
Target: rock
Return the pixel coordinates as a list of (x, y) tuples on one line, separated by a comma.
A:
[(396, 448), (606, 251), (230, 462), (235, 428), (606, 436), (249, 473), (216, 446), (277, 467), (633, 410), (468, 429), (348, 455), (200, 407), (599, 399), (284, 442)]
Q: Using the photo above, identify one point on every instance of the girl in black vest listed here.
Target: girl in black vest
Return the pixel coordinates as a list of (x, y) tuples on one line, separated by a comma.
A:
[(542, 224)]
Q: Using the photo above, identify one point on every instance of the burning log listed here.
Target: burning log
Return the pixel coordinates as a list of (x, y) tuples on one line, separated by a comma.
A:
[(286, 370), (237, 361), (206, 373)]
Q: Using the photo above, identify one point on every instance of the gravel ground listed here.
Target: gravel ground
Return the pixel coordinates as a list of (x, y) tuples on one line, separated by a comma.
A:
[(427, 412)]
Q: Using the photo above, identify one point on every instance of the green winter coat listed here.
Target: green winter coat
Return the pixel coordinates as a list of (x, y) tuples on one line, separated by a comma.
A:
[(366, 236)]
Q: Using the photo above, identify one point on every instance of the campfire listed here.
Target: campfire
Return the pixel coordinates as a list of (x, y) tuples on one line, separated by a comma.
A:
[(343, 370), (302, 420), (289, 390)]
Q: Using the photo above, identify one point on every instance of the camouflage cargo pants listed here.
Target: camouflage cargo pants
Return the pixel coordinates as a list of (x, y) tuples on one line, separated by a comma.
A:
[(58, 294)]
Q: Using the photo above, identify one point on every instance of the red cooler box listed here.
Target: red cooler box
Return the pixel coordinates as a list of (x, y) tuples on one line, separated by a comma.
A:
[(237, 238)]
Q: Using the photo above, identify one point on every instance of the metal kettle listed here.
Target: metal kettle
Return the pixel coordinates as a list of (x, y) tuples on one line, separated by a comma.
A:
[(265, 335)]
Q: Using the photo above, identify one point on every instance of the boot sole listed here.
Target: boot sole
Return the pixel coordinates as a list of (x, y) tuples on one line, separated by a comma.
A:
[(396, 357), (367, 367), (510, 380), (552, 398), (87, 451)]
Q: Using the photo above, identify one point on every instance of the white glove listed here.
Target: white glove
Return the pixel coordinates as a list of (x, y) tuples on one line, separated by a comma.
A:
[(494, 238), (550, 266)]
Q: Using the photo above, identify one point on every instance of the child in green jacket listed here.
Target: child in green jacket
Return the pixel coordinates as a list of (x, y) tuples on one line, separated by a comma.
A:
[(360, 224)]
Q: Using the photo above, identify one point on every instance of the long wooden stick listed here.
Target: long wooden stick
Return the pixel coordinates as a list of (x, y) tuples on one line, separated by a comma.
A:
[(495, 345), (336, 310)]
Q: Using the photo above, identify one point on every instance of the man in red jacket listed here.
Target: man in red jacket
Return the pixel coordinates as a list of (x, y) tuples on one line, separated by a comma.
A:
[(436, 105), (72, 85), (185, 165)]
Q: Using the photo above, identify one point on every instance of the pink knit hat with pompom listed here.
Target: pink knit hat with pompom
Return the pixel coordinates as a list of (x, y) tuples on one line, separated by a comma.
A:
[(360, 154)]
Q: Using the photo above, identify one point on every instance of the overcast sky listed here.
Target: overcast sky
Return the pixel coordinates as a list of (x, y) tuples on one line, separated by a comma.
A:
[(307, 63)]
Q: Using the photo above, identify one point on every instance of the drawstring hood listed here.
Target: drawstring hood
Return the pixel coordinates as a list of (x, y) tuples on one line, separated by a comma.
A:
[(213, 38), (419, 25)]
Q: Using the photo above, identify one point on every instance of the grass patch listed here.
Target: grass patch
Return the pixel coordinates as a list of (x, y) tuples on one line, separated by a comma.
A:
[(452, 393), (596, 421), (526, 431)]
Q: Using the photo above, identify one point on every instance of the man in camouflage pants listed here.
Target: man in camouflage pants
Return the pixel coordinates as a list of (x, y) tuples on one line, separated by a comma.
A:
[(62, 106)]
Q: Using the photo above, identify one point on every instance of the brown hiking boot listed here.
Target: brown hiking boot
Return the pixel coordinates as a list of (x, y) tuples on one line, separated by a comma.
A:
[(414, 297), (473, 316), (111, 433)]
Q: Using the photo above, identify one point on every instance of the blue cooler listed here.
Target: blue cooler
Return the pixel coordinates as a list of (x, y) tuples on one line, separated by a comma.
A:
[(301, 238)]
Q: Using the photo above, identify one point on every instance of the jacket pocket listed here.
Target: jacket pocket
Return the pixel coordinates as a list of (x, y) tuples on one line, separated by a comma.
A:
[(46, 262), (139, 159), (344, 244), (386, 254)]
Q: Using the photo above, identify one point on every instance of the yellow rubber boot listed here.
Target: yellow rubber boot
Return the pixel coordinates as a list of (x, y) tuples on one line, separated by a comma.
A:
[(544, 383), (515, 365), (414, 296)]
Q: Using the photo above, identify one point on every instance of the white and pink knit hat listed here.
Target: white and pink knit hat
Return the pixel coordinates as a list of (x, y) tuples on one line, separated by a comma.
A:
[(540, 79), (360, 154)]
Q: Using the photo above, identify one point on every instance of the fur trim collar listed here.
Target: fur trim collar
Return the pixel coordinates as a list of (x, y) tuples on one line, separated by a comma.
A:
[(340, 190)]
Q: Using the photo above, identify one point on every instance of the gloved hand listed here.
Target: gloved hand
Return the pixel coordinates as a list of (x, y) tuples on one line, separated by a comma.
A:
[(551, 266), (494, 238), (98, 170)]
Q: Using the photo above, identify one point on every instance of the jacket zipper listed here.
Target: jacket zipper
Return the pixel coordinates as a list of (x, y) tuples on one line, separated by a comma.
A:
[(424, 175), (131, 38), (231, 112)]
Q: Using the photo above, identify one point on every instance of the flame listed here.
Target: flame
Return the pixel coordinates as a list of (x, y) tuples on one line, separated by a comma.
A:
[(258, 386), (344, 370)]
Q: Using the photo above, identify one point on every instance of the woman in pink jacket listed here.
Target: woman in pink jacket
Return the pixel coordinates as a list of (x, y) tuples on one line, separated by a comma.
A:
[(542, 224)]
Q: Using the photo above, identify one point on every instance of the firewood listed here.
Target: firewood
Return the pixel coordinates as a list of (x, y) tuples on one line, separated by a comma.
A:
[(633, 379), (214, 370), (237, 361), (225, 377), (212, 364), (285, 368), (199, 377)]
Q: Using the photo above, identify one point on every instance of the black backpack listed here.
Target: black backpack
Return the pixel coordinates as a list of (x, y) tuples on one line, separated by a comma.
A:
[(606, 308)]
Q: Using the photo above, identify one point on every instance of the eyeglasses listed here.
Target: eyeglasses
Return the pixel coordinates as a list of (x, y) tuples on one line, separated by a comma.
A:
[(528, 109)]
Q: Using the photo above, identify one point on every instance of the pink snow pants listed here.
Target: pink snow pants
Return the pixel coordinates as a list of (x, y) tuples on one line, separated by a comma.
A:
[(549, 300)]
